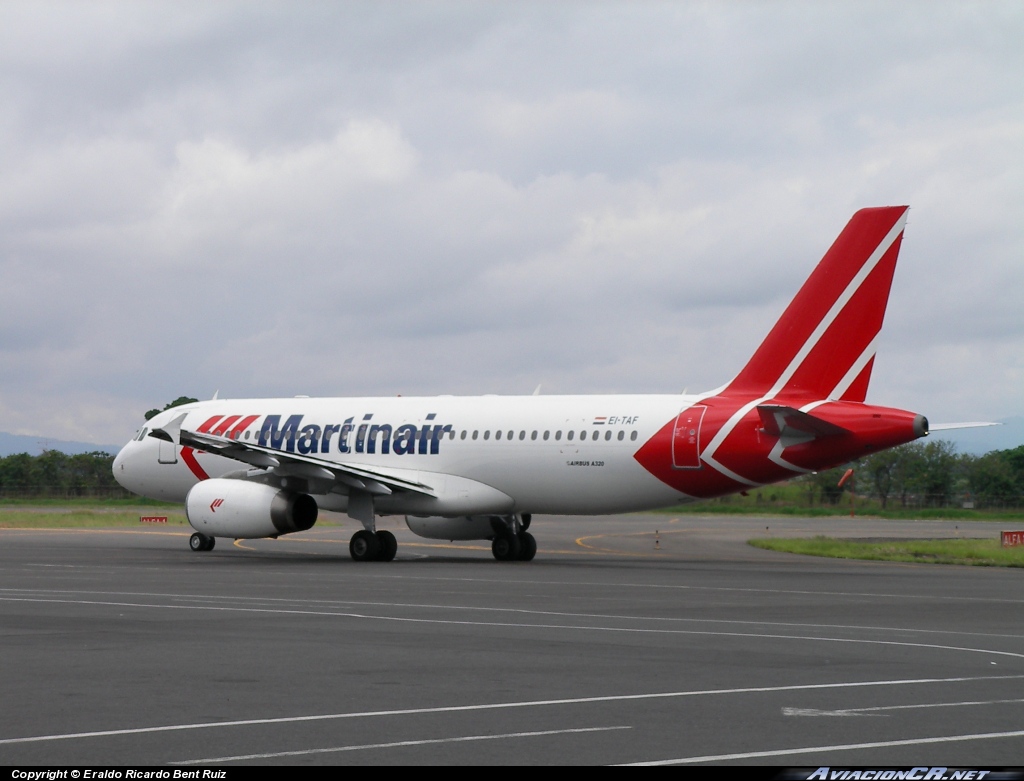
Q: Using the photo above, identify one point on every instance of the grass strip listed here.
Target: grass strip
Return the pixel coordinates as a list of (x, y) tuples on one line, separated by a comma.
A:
[(980, 553), (83, 519)]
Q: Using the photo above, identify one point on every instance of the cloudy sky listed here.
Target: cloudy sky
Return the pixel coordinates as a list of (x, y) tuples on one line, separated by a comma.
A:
[(420, 198)]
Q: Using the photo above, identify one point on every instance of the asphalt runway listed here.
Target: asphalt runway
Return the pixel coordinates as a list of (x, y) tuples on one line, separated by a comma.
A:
[(630, 639)]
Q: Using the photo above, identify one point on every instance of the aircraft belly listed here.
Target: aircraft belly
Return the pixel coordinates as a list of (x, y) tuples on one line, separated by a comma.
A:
[(578, 484)]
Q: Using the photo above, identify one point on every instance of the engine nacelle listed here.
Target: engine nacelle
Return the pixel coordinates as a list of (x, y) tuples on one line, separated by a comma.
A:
[(465, 527), (244, 510)]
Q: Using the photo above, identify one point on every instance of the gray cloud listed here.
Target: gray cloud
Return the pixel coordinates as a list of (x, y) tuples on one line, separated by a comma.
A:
[(469, 198)]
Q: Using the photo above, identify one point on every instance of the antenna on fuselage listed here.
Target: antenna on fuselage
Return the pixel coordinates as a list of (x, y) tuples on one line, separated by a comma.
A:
[(536, 391), (215, 393)]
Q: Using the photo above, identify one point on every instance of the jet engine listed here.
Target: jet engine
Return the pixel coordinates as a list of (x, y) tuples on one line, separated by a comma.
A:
[(244, 510)]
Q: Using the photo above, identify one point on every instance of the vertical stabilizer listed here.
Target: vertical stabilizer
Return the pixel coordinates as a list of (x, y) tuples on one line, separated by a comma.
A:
[(823, 346)]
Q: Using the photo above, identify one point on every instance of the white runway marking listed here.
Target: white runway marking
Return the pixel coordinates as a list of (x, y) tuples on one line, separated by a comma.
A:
[(517, 625), (944, 598), (211, 598), (502, 706), (392, 577), (814, 749), (396, 744), (881, 708)]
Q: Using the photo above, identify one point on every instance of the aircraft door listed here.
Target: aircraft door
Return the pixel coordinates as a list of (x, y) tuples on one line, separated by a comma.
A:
[(686, 438), (168, 453)]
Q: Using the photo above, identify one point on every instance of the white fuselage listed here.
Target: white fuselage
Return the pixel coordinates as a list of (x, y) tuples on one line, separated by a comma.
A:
[(506, 454)]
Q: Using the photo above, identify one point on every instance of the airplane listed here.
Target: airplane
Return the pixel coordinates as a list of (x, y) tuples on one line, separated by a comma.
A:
[(480, 467)]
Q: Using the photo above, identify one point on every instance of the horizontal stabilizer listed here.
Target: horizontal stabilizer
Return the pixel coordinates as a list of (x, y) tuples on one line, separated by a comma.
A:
[(794, 427), (951, 426)]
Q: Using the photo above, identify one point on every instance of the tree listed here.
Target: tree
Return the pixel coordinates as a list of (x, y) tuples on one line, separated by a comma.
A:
[(882, 470), (990, 478), (936, 479), (176, 403)]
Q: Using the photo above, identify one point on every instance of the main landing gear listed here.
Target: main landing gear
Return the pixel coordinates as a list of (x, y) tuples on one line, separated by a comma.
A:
[(511, 541), (366, 545), (201, 542), (514, 547)]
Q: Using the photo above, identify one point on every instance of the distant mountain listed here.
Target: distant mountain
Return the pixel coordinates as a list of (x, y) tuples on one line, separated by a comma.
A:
[(16, 443), (982, 440)]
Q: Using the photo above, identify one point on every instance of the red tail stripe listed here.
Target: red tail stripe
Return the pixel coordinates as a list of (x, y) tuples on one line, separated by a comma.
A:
[(861, 237), (849, 334)]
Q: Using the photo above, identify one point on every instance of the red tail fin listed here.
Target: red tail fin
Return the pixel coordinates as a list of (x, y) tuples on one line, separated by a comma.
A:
[(823, 346)]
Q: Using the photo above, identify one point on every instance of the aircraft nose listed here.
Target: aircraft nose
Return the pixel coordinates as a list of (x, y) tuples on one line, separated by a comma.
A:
[(119, 464)]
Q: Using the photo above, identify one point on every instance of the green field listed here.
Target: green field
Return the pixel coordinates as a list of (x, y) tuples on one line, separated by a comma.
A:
[(982, 553), (793, 499)]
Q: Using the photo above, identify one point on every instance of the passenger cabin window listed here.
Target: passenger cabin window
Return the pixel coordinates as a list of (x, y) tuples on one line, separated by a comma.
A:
[(632, 437), (475, 433), (622, 435), (570, 435), (546, 435), (487, 434), (558, 435), (497, 435), (522, 435)]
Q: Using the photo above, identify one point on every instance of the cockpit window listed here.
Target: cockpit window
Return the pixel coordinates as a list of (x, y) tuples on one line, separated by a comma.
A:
[(142, 434)]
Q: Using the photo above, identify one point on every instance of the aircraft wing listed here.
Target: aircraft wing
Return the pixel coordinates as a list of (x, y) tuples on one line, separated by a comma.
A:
[(373, 480)]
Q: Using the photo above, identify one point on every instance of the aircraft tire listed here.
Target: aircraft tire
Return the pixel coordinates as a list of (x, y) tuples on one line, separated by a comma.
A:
[(210, 542), (364, 546), (506, 547), (527, 546), (388, 545), (196, 542)]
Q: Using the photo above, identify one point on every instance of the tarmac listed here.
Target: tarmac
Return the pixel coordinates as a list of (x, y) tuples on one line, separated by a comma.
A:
[(640, 639)]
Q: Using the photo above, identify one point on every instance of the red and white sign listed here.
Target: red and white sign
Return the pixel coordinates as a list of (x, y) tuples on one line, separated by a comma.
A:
[(1010, 539), (152, 519)]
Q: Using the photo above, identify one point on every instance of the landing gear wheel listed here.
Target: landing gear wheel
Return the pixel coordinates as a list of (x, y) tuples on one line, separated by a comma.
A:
[(527, 546), (364, 546), (506, 548), (200, 542), (388, 545)]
